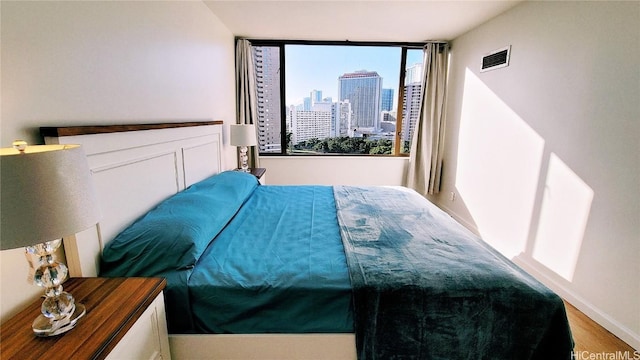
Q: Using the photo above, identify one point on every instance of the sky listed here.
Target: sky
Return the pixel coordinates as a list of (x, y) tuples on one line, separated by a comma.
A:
[(317, 67)]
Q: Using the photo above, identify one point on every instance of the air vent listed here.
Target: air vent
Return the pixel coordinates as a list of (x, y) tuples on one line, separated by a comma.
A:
[(496, 59)]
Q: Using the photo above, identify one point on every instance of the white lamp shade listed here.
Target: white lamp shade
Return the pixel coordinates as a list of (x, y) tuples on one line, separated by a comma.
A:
[(243, 135), (45, 193)]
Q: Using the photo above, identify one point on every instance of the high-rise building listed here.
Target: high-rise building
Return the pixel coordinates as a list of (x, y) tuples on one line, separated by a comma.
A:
[(316, 96), (389, 116), (413, 74), (412, 100), (363, 89), (411, 109), (306, 125), (321, 106), (267, 68), (341, 115), (387, 99)]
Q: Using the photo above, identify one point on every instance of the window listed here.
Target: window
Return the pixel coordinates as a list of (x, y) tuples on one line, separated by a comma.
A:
[(336, 98)]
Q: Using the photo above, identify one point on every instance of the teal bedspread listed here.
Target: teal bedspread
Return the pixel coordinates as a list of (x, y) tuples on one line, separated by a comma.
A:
[(426, 288), (242, 258), (278, 267)]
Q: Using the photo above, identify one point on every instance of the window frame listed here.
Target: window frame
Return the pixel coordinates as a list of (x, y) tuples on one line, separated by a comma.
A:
[(404, 46)]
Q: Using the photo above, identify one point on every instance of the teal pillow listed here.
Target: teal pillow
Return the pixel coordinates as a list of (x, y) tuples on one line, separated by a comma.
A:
[(174, 234)]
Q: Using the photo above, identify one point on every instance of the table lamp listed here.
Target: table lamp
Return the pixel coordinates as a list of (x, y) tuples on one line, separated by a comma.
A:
[(46, 193), (243, 135)]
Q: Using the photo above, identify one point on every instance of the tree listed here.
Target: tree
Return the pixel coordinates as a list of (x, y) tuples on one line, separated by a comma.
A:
[(382, 146), (289, 138), (321, 146), (346, 145)]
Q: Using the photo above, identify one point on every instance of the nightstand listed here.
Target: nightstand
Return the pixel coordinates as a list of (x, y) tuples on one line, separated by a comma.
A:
[(125, 320), (258, 173)]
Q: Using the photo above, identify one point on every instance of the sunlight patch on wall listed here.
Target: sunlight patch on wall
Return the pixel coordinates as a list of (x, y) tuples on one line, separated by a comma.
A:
[(498, 167), (563, 219)]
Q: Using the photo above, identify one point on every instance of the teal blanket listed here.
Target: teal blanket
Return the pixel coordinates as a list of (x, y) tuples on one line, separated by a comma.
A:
[(426, 288)]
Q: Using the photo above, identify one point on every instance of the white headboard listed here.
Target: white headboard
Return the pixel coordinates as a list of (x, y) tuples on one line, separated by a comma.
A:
[(134, 167)]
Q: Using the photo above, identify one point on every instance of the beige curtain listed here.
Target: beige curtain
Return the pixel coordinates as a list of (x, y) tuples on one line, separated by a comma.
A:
[(427, 143), (246, 94)]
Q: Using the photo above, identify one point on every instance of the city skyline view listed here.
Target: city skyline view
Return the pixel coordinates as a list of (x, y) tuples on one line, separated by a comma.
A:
[(318, 67)]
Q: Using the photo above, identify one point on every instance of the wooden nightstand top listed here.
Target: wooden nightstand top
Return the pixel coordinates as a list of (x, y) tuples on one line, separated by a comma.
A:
[(113, 306)]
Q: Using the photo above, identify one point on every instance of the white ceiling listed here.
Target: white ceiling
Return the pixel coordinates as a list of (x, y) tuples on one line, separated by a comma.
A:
[(355, 20)]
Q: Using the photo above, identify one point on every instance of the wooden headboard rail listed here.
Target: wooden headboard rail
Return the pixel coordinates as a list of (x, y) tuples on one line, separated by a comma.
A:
[(106, 129), (134, 167)]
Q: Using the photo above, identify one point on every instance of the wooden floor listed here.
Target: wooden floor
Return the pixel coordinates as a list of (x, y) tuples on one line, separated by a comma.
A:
[(591, 337)]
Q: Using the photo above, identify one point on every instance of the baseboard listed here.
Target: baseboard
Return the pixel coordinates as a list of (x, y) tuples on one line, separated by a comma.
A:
[(597, 315), (459, 219)]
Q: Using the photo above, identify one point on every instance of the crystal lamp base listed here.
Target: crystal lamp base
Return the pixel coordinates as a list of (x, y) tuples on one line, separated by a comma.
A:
[(43, 326)]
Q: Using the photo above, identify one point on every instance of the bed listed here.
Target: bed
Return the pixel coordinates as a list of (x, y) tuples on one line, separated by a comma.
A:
[(302, 271)]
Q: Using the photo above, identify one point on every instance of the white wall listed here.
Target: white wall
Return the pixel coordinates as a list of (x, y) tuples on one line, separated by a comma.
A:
[(334, 170), (543, 156), (109, 62)]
